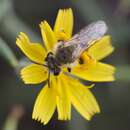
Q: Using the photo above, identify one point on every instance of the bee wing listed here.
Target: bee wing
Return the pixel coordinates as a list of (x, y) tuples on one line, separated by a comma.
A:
[(87, 37), (81, 41)]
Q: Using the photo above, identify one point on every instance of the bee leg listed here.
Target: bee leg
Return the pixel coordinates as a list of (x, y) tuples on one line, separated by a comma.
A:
[(81, 61), (69, 69), (48, 80)]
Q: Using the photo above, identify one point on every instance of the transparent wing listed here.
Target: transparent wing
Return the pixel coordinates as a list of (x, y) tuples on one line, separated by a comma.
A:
[(87, 37), (83, 40)]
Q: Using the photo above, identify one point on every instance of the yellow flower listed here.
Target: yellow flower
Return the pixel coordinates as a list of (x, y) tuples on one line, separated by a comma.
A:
[(64, 89)]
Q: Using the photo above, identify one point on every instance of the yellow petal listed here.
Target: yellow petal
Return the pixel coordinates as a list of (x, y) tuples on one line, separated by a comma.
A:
[(64, 24), (45, 105), (63, 100), (33, 51), (33, 74), (101, 48), (48, 35), (94, 71), (82, 99)]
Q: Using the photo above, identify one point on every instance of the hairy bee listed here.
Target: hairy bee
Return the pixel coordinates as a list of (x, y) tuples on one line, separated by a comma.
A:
[(68, 52)]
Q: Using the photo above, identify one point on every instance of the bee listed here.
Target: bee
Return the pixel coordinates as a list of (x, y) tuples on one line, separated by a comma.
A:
[(67, 52)]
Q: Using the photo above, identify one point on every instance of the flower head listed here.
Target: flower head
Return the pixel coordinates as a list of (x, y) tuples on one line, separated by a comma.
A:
[(64, 89)]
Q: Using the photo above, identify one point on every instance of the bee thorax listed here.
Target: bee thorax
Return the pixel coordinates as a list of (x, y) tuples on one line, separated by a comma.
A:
[(64, 55)]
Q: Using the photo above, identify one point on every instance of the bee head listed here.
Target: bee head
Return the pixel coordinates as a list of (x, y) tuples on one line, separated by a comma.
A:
[(52, 64)]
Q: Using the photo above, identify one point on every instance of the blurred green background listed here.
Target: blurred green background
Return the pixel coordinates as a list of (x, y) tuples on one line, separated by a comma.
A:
[(16, 99)]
